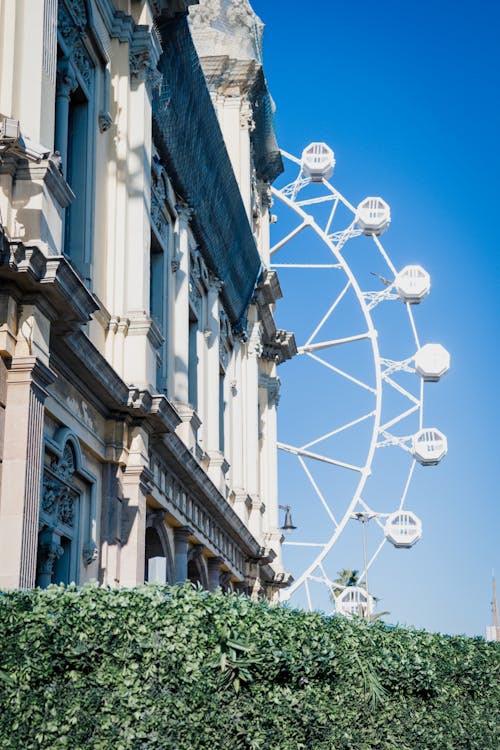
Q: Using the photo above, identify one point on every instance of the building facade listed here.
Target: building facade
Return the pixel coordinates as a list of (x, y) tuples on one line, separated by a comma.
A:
[(139, 352)]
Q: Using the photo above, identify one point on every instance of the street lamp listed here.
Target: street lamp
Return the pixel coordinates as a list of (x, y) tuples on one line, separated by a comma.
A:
[(364, 517), (288, 525)]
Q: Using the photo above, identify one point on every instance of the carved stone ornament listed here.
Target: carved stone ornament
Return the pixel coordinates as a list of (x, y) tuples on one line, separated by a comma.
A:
[(105, 121), (48, 554), (59, 499), (240, 14), (70, 27), (159, 215), (78, 12), (90, 553), (66, 82), (206, 13)]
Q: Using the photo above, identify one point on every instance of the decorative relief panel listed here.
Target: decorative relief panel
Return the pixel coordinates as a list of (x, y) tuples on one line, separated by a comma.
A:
[(59, 499), (70, 26), (159, 213)]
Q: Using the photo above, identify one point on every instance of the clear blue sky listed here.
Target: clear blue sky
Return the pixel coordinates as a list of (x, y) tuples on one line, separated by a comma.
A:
[(407, 94)]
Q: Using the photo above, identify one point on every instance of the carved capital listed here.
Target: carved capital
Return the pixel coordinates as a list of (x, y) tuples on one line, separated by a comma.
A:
[(184, 212), (214, 283), (49, 553), (66, 81)]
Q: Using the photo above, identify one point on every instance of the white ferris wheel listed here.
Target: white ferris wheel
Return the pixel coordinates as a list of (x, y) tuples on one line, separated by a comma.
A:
[(352, 416)]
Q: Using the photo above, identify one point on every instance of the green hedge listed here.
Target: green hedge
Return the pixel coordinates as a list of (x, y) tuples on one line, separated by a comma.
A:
[(181, 669)]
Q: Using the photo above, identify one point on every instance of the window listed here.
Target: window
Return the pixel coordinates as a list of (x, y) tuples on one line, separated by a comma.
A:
[(193, 362), (67, 513)]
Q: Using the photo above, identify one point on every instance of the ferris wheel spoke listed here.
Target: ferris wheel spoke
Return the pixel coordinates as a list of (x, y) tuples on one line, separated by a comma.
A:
[(372, 559), (412, 322), (330, 310), (313, 201), (289, 237), (407, 485), (291, 157), (384, 254), (318, 491), (332, 214), (338, 430), (308, 594), (399, 418), (333, 342), (319, 457), (402, 391), (340, 196), (344, 374)]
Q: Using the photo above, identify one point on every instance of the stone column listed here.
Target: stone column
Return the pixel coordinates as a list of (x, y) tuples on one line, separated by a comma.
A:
[(246, 126), (181, 328), (65, 85), (181, 536), (213, 568), (133, 526), (27, 380), (252, 425)]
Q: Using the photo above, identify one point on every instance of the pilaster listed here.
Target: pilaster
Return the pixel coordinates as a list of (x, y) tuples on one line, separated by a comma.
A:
[(181, 545), (27, 381), (135, 490), (213, 571), (180, 330)]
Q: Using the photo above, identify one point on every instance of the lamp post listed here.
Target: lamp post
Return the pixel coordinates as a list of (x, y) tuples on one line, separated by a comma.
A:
[(364, 517)]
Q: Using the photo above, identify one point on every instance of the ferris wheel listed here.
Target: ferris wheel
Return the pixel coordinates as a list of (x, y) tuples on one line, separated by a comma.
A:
[(352, 415)]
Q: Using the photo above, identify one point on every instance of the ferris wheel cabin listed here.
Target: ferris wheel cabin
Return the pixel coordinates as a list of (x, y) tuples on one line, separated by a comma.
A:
[(429, 446), (403, 529), (412, 284), (373, 216), (318, 161), (353, 601), (432, 361)]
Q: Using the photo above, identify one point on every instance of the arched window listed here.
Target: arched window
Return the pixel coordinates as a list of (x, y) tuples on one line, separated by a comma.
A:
[(67, 513), (158, 567)]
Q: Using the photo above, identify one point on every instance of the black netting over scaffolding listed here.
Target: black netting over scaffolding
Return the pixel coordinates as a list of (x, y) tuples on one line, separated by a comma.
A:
[(189, 140)]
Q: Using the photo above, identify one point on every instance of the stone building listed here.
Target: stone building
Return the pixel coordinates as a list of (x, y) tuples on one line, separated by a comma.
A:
[(138, 384)]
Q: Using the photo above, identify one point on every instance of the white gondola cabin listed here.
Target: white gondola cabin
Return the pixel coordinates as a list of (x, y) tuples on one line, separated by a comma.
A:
[(373, 216), (429, 446), (412, 284), (318, 161), (403, 529), (353, 601), (432, 361)]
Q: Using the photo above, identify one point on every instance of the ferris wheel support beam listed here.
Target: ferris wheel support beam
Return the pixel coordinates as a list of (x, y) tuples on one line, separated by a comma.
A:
[(318, 457), (342, 373), (330, 310), (333, 342), (318, 491), (338, 430)]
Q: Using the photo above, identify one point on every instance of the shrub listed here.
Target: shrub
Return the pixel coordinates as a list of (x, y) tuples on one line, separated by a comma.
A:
[(178, 668)]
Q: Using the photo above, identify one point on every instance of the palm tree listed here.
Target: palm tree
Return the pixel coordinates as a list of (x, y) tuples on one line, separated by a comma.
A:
[(345, 577), (350, 577)]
